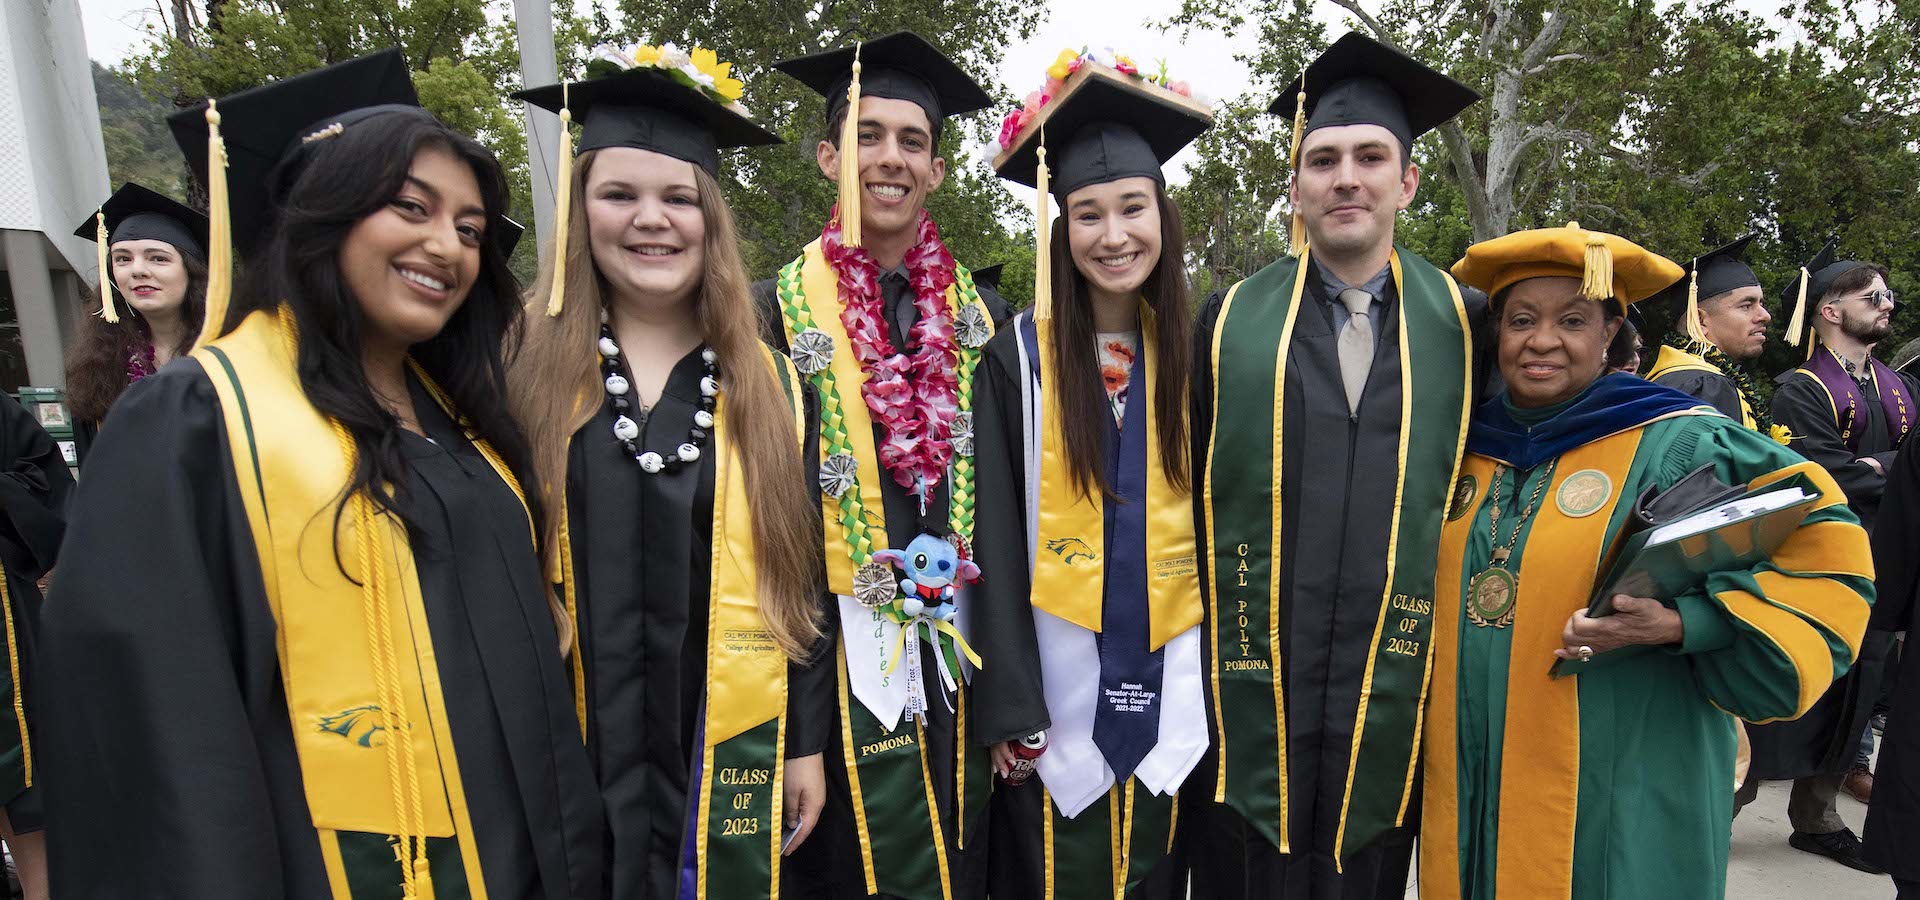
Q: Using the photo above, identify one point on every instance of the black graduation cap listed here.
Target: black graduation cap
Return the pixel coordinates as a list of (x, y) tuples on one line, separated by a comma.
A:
[(899, 66), (506, 234), (1104, 126), (1359, 81), (1710, 274), (263, 125), (989, 276), (648, 110), (135, 213), (1815, 279)]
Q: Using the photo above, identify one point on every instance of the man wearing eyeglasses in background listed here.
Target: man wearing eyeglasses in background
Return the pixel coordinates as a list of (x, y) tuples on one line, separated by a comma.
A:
[(1849, 413)]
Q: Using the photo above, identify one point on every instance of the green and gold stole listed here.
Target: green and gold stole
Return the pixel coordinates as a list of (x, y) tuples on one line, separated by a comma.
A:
[(736, 836), (356, 654), (1242, 503), (894, 808)]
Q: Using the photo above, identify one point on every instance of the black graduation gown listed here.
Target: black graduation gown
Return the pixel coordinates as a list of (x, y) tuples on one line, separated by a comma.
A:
[(1825, 739), (1341, 489), (1893, 818), (34, 486), (1009, 700), (643, 558), (1716, 390), (172, 767), (828, 864)]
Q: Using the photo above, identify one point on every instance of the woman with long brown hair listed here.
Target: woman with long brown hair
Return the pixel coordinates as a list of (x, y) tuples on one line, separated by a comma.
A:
[(153, 292), (1085, 511), (674, 462)]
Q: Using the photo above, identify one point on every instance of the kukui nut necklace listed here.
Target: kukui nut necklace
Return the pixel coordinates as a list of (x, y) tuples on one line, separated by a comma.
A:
[(1492, 594), (620, 390)]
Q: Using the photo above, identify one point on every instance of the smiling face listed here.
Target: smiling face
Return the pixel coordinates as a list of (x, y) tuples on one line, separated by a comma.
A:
[(1552, 341), (1351, 182), (645, 226), (898, 165), (150, 275), (412, 262), (1113, 232), (1736, 322)]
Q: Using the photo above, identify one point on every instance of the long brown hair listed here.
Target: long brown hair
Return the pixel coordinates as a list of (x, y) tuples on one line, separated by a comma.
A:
[(97, 364), (553, 384), (1082, 391)]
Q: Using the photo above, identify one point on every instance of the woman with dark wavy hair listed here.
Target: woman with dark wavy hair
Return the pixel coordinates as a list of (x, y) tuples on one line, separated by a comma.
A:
[(302, 643), (1091, 622), (153, 293)]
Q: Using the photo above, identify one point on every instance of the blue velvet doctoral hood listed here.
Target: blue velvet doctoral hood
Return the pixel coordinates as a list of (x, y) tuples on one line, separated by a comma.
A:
[(1611, 404)]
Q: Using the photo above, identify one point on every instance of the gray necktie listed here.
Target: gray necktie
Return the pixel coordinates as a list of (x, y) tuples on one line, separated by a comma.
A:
[(1356, 345)]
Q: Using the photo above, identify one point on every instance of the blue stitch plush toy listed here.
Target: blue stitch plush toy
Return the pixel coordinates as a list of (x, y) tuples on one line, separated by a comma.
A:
[(933, 568)]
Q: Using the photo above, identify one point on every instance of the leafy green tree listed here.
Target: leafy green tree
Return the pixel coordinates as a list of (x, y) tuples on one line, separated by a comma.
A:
[(133, 125)]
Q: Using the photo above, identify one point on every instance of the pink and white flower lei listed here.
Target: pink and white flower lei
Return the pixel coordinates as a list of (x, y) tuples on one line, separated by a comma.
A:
[(914, 397)]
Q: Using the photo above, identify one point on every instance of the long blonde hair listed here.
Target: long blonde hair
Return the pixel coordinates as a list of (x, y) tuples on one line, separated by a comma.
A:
[(553, 386)]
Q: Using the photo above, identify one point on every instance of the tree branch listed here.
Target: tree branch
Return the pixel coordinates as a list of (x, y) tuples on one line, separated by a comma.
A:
[(1495, 29), (1549, 61), (1380, 32), (1544, 41)]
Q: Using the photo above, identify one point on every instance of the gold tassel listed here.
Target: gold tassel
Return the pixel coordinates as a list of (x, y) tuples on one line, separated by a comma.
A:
[(107, 311), (1297, 232), (1598, 281), (1694, 332), (849, 206), (1798, 324), (219, 232), (1042, 237), (562, 207)]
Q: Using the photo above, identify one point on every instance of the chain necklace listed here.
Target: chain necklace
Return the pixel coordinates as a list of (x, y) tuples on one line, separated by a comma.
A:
[(1493, 593), (627, 431)]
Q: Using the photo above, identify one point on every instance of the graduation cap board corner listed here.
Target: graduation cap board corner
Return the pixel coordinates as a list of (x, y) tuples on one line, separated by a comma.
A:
[(1095, 77)]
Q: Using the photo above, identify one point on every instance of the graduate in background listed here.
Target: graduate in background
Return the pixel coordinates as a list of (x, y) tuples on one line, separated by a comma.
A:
[(1850, 413), (680, 523), (301, 644), (153, 293), (1331, 399), (1609, 778), (888, 328), (1085, 505), (1720, 321), (34, 487), (1893, 818)]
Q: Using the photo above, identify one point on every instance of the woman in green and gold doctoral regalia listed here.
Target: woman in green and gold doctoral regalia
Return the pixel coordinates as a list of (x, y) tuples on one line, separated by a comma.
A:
[(680, 524), (1085, 503), (1607, 778), (301, 644)]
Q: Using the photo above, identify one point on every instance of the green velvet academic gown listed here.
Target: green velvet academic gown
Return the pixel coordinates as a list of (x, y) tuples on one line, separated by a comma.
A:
[(1655, 737)]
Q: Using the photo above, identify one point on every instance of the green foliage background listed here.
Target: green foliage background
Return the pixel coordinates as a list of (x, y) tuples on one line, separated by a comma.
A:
[(1679, 125)]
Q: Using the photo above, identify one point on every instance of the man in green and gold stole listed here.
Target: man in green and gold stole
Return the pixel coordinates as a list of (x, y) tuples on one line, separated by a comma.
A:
[(1586, 757), (888, 328), (1849, 413), (1719, 315), (1318, 510)]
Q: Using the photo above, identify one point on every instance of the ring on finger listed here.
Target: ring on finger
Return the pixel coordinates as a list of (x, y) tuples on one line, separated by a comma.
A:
[(1586, 653)]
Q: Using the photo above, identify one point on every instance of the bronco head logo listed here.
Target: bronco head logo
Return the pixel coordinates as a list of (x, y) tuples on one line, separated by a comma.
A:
[(358, 724), (1071, 549)]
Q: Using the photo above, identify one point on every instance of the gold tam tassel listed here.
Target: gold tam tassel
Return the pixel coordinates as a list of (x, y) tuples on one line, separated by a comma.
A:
[(107, 311), (1797, 325), (849, 206), (1297, 232), (1598, 281), (219, 232), (562, 207), (1042, 237), (1694, 332)]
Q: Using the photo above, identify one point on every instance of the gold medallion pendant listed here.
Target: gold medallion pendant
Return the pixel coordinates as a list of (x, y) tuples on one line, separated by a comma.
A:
[(1491, 595)]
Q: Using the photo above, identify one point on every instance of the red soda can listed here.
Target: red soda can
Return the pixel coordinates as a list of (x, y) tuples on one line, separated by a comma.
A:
[(1025, 751)]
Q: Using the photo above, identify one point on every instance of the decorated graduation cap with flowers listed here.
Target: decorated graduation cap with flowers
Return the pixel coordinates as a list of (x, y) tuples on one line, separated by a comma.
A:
[(1099, 118), (683, 104), (1609, 268)]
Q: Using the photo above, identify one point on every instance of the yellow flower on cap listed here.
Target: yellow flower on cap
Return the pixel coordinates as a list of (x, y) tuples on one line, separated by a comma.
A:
[(646, 55), (1608, 266)]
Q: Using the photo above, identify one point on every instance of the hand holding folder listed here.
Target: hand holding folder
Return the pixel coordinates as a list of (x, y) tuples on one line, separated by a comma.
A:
[(1697, 526)]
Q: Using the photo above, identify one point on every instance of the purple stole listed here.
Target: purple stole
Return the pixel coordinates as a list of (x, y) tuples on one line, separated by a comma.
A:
[(1847, 398)]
